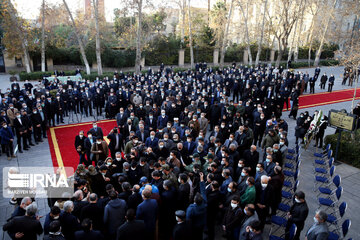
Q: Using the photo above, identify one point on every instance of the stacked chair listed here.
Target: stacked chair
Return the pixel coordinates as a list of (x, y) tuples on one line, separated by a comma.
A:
[(329, 190)]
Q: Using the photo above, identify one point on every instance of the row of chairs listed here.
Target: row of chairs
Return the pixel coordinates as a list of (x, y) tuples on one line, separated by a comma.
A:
[(329, 192), (291, 172)]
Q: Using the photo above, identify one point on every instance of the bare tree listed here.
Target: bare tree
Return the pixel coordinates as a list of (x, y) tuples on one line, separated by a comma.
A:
[(182, 7), (226, 33), (77, 34), (97, 41), (261, 36), (190, 38), (283, 22), (246, 16), (139, 6), (43, 37), (318, 53)]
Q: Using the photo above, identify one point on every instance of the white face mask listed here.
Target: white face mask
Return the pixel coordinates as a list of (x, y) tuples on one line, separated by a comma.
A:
[(57, 217), (297, 200), (264, 185), (233, 205)]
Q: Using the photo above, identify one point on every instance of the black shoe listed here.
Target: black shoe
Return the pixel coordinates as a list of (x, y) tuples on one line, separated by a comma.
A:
[(41, 140), (31, 144), (36, 143), (45, 137), (20, 151), (26, 149)]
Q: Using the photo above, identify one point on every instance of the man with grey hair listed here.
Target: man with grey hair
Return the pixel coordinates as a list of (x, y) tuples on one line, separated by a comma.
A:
[(319, 230), (94, 212), (69, 222), (264, 198), (20, 210), (25, 227), (79, 202)]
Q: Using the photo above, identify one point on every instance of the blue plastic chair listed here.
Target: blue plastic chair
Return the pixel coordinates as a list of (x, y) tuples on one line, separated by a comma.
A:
[(294, 150), (288, 195), (320, 181), (289, 183), (327, 190), (292, 232), (328, 202), (291, 174), (324, 170), (323, 161), (321, 155), (333, 219), (345, 229)]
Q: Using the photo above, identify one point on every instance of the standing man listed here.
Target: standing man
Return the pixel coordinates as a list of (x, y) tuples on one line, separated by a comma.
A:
[(96, 131), (7, 139), (21, 131), (116, 142), (100, 150), (182, 230), (148, 211), (331, 82), (319, 230), (80, 147), (297, 215)]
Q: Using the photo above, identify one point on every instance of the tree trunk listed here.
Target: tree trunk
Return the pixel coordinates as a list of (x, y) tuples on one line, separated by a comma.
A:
[(261, 36), (26, 56), (81, 44), (138, 38), (190, 39), (296, 53), (43, 38), (318, 53), (98, 46), (280, 53), (247, 31), (208, 12), (183, 12), (292, 42), (223, 45)]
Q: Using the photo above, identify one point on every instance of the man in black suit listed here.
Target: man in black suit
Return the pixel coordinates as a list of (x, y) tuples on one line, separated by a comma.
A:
[(27, 123), (94, 212), (132, 229), (264, 198), (96, 131), (150, 122), (121, 118), (142, 133), (36, 124), (182, 230), (116, 142), (80, 147), (87, 232), (21, 131), (24, 227), (43, 124), (251, 158), (50, 110)]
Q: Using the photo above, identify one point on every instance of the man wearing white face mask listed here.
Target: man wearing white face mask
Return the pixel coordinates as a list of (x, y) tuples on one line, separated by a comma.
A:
[(264, 198), (297, 214), (232, 217), (53, 215), (320, 230)]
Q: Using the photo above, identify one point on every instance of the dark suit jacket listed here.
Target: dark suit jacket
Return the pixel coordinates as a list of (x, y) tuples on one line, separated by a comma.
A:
[(97, 133), (112, 143), (27, 225), (80, 142), (134, 230), (146, 135), (94, 212), (92, 235), (69, 225), (182, 231), (121, 121)]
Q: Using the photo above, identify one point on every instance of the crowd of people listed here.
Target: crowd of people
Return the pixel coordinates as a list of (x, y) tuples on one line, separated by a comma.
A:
[(182, 161)]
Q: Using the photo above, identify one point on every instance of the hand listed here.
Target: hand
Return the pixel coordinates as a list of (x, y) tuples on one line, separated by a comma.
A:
[(248, 229), (19, 235), (107, 179), (11, 140), (38, 217), (224, 227), (201, 176), (99, 151), (38, 125)]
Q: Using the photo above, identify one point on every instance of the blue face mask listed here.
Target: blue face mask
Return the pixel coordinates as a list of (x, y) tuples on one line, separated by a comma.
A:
[(229, 189)]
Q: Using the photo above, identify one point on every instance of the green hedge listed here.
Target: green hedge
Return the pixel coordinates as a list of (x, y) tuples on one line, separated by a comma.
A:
[(349, 149)]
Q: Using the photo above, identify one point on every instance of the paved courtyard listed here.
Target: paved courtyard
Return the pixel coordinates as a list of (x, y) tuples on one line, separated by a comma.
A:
[(40, 156)]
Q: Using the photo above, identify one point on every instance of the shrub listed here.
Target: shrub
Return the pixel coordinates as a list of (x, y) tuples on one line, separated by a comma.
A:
[(349, 149)]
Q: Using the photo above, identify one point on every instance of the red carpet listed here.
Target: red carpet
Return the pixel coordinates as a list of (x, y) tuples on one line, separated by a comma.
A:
[(324, 98), (61, 139), (65, 153)]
